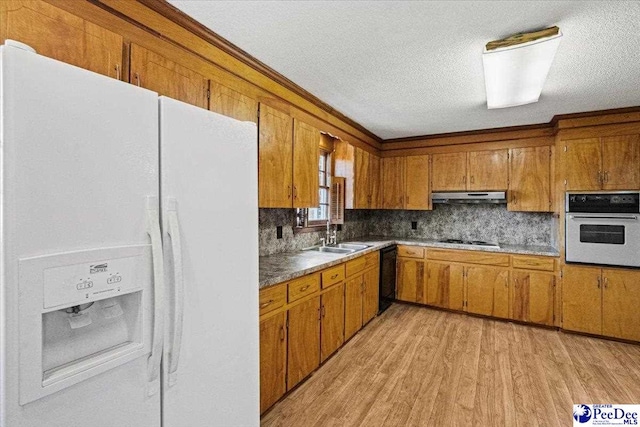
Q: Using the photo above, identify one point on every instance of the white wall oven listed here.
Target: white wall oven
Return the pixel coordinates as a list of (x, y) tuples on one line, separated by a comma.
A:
[(603, 228)]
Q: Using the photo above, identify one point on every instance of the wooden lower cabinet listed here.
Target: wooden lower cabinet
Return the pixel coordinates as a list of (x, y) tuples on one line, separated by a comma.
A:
[(410, 280), (370, 301), (303, 355), (353, 306), (332, 321), (445, 285), (582, 299), (488, 291), (273, 359), (621, 304), (532, 297)]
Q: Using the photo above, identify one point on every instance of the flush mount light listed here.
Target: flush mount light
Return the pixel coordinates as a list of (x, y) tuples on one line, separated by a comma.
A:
[(515, 68)]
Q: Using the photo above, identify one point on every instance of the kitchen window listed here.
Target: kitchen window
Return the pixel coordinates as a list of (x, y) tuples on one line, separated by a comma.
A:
[(313, 218)]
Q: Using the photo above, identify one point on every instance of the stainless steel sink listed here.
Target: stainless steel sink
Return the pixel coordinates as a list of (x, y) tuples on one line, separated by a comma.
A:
[(340, 248)]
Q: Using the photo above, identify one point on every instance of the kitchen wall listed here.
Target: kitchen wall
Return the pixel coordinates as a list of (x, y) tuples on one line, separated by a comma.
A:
[(472, 222), (469, 222), (356, 225)]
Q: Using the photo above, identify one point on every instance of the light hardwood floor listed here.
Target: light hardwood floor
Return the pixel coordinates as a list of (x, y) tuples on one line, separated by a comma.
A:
[(414, 366)]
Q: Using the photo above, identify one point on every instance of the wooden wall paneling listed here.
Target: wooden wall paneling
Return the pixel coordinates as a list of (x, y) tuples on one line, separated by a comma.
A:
[(154, 72), (530, 179), (273, 359), (488, 170), (582, 164), (232, 103), (55, 33), (620, 302), (417, 183), (306, 151), (374, 178), (275, 159), (449, 172), (361, 181), (393, 183), (303, 355), (620, 159), (582, 299)]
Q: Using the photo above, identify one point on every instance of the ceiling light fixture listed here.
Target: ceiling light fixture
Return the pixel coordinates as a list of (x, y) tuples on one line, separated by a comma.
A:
[(515, 68)]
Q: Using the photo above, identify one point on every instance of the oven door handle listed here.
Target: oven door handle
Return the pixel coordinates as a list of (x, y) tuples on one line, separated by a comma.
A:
[(622, 218)]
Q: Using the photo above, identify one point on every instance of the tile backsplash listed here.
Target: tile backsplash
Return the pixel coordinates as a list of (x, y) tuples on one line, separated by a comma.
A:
[(472, 222)]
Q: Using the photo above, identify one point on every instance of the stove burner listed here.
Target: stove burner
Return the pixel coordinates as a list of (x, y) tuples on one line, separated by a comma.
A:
[(453, 241), (470, 242)]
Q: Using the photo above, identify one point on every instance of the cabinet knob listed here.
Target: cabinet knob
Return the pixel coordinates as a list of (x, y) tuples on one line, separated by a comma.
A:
[(281, 333), (599, 282), (334, 276)]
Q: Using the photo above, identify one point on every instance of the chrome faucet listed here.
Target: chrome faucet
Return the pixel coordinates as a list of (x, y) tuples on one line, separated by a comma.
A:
[(332, 236)]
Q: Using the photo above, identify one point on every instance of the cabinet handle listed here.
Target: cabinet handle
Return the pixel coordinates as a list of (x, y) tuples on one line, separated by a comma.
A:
[(324, 311), (334, 276), (304, 288), (117, 67), (137, 76), (407, 200), (288, 191), (514, 200), (295, 192), (281, 333), (606, 282), (472, 179), (266, 304), (463, 179), (599, 282), (411, 252), (319, 314), (515, 283), (600, 177), (606, 176)]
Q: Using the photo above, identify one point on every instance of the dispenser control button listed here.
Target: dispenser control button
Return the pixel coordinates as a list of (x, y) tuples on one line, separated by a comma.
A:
[(114, 279), (86, 284)]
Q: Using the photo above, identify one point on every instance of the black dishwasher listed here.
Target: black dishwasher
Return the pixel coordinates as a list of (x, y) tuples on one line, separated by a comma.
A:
[(387, 278)]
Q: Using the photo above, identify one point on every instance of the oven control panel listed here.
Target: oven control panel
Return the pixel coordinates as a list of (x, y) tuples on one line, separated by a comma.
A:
[(628, 202)]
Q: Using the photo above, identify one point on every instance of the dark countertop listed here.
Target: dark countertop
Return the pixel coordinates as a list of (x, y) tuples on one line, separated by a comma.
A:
[(286, 266)]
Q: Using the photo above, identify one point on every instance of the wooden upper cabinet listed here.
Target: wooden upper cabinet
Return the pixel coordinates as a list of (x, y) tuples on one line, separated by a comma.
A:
[(273, 360), (159, 74), (583, 164), (306, 150), (304, 341), (449, 172), (620, 160), (361, 179), (418, 195), (620, 302), (275, 158), (60, 35), (393, 184), (375, 201), (231, 103), (530, 183), (532, 297), (582, 299), (488, 170)]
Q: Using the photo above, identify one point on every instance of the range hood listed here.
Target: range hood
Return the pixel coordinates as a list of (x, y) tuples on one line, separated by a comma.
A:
[(458, 197)]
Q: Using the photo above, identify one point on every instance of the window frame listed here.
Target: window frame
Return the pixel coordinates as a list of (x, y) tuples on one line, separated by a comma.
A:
[(303, 224)]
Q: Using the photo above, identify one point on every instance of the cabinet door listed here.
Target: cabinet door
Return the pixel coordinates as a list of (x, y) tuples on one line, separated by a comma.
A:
[(393, 183), (332, 332), (488, 291), (532, 297), (361, 179), (583, 164), (449, 172), (168, 78), (231, 103), (530, 184), (57, 34), (410, 280), (418, 196), (273, 360), (304, 341), (620, 159), (488, 170), (620, 303), (374, 180), (275, 154), (445, 285), (352, 306), (306, 151), (370, 297), (582, 299)]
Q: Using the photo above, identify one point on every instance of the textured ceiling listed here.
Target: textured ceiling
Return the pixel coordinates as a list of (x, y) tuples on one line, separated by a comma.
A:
[(405, 68)]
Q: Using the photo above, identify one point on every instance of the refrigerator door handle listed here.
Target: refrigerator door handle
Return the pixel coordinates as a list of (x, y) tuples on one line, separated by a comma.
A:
[(178, 288), (153, 230)]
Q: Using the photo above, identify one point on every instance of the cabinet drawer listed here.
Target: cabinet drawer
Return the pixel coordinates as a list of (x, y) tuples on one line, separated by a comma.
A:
[(471, 257), (332, 275), (272, 298), (533, 263), (355, 266), (372, 260), (304, 286), (410, 251)]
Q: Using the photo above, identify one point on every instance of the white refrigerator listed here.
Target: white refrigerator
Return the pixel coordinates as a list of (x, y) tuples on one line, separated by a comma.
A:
[(98, 325)]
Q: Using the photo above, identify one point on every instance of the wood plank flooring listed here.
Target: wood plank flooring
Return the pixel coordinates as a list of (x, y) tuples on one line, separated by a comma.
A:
[(414, 366)]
